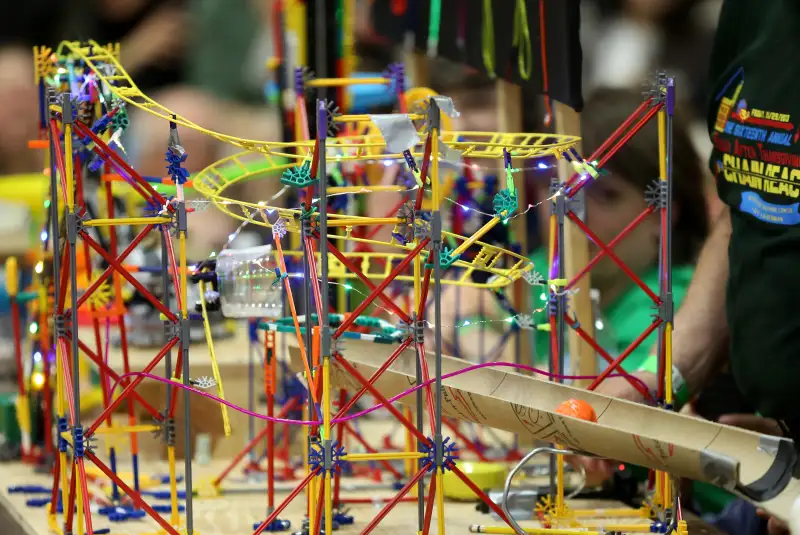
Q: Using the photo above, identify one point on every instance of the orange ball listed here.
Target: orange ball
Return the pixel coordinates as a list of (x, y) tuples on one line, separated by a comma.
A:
[(577, 408)]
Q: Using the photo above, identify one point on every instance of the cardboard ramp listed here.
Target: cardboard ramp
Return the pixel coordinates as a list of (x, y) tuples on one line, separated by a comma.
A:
[(755, 466)]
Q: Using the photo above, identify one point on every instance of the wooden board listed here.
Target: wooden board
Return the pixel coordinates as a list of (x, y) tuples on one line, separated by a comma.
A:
[(236, 514)]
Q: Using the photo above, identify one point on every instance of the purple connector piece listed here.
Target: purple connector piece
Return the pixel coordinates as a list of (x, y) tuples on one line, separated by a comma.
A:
[(299, 81), (322, 121), (506, 158), (670, 96), (398, 71)]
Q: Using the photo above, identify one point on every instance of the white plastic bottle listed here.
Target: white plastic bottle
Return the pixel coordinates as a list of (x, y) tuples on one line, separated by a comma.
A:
[(247, 283)]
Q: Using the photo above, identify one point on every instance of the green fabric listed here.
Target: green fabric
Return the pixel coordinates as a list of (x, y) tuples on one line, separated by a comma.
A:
[(622, 321), (754, 115), (219, 48)]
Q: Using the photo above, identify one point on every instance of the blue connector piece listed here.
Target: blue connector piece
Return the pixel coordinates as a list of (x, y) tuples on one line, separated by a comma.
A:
[(343, 519), (163, 494), (316, 457), (78, 444), (37, 502), (62, 428), (28, 489), (398, 485), (276, 525), (658, 527), (166, 508), (101, 531), (449, 455), (121, 514), (175, 158)]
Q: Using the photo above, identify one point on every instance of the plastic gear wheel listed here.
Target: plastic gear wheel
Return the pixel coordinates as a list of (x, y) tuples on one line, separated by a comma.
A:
[(332, 112), (298, 176)]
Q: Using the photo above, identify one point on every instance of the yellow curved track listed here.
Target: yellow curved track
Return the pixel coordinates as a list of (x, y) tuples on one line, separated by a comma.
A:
[(269, 158), (353, 148)]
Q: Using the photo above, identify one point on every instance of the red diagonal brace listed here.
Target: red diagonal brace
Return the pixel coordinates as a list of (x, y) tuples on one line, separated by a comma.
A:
[(603, 353), (381, 398), (128, 389), (379, 289), (135, 496), (115, 160), (278, 510), (385, 366), (632, 225), (602, 148), (389, 506), (130, 278), (478, 492), (616, 364), (627, 137), (592, 236), (115, 376), (55, 137), (358, 273)]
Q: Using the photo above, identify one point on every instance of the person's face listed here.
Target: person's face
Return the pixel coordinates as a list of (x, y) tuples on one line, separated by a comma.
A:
[(612, 204)]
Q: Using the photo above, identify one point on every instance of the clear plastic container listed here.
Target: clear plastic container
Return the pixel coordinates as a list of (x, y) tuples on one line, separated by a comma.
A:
[(247, 283)]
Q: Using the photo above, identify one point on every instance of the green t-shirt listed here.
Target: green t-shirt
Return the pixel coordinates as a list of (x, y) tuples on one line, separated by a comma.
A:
[(754, 124), (622, 320)]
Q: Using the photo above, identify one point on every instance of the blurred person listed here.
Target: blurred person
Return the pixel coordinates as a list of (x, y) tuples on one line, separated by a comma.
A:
[(612, 202), (28, 24), (753, 245)]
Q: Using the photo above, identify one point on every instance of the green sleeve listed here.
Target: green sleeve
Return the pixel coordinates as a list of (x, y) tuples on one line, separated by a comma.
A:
[(633, 313)]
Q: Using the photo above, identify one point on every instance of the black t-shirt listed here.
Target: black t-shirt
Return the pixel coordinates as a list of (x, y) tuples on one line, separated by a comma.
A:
[(754, 123)]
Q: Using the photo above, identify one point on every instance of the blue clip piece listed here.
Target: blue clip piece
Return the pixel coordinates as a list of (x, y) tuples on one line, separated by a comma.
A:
[(28, 489), (658, 527), (166, 508), (175, 158), (276, 525), (449, 454), (398, 485), (163, 494), (343, 519), (62, 428), (78, 445), (37, 502), (279, 276), (164, 478)]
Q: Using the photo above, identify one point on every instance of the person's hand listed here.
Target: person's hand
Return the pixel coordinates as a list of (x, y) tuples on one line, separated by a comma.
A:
[(753, 422), (768, 426), (774, 526), (600, 470), (158, 38)]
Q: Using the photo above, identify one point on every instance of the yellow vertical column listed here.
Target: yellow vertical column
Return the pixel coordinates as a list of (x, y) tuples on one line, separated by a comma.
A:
[(662, 479)]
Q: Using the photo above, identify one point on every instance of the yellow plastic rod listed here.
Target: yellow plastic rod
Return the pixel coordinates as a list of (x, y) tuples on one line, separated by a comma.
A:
[(502, 530), (101, 222), (364, 221), (328, 503), (342, 82), (182, 269), (363, 118), (440, 501), (390, 456), (173, 486), (12, 278), (126, 429), (226, 423), (475, 237), (359, 189), (68, 169), (434, 171)]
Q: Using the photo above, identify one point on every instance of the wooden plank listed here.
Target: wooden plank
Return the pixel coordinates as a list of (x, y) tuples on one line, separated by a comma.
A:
[(583, 360), (509, 119)]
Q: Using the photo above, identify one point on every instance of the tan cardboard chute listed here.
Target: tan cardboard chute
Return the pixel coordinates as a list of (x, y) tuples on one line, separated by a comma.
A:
[(757, 467)]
